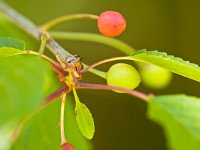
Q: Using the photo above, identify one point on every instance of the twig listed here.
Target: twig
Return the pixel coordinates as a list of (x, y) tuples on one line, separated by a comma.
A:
[(29, 27)]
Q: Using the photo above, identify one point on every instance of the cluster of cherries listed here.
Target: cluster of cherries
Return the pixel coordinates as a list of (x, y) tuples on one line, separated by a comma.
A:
[(112, 24)]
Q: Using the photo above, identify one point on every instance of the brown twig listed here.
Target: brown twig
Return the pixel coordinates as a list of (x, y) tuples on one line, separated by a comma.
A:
[(29, 27)]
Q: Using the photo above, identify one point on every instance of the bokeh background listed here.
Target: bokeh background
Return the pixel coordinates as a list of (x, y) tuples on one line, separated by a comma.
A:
[(166, 25)]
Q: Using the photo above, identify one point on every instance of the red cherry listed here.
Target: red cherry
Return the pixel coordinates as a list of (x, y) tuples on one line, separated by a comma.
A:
[(67, 146), (111, 23)]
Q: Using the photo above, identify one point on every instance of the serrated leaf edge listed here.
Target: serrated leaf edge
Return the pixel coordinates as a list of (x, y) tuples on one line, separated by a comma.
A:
[(165, 56)]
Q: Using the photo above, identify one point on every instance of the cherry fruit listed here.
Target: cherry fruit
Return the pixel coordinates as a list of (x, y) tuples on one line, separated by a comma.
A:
[(155, 77), (67, 146), (123, 75), (111, 23)]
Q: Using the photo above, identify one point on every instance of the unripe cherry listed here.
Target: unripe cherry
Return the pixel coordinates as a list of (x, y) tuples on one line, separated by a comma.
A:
[(67, 146), (111, 23), (155, 77), (123, 75)]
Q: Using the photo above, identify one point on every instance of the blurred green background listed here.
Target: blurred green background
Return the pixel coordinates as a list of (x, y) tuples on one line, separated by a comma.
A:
[(165, 25)]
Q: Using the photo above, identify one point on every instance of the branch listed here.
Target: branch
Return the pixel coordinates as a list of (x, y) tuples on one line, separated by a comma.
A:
[(29, 27)]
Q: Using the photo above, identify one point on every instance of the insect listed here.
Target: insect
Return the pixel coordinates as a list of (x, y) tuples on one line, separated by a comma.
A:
[(75, 62), (70, 65)]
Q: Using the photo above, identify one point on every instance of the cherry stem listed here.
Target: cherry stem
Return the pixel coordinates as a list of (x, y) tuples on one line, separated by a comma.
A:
[(59, 70), (43, 105), (92, 37), (56, 66), (62, 115), (44, 38), (103, 62), (135, 93), (76, 96), (97, 72), (62, 19), (56, 94), (43, 56)]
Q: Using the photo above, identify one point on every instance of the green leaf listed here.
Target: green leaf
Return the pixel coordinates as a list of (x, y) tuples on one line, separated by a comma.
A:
[(84, 120), (24, 82), (21, 78), (8, 51), (12, 42), (43, 131), (179, 115), (169, 62)]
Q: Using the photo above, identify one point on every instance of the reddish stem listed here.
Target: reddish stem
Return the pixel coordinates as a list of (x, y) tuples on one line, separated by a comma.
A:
[(59, 70), (55, 65), (44, 56), (102, 62), (56, 94), (135, 93), (46, 101)]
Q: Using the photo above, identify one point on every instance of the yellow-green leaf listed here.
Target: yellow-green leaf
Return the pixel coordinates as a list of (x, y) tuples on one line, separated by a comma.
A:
[(9, 51), (169, 62), (84, 120), (12, 42)]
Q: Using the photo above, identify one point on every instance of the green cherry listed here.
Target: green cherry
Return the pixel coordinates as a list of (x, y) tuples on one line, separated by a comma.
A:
[(123, 75), (155, 77)]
